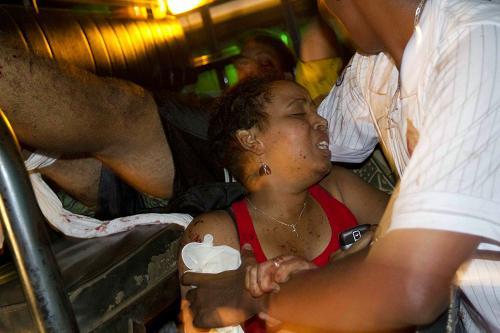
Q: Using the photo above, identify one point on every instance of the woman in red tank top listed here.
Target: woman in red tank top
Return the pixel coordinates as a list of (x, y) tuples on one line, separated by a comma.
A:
[(268, 135)]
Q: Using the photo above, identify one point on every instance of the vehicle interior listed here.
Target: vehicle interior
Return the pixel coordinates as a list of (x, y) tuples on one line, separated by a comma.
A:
[(126, 282)]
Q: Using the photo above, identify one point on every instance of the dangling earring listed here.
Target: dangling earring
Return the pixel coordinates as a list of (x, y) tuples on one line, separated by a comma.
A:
[(264, 169)]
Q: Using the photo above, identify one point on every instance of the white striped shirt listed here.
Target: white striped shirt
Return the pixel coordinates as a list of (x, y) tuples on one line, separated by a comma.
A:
[(450, 91)]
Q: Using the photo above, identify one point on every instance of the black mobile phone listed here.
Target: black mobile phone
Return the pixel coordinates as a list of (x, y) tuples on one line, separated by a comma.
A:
[(351, 236)]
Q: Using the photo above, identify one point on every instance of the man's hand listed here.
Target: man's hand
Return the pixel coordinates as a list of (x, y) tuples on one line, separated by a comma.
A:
[(265, 277), (220, 300)]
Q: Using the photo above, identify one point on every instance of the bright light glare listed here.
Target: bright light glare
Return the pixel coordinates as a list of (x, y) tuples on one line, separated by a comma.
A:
[(162, 7), (137, 11), (160, 11), (182, 6)]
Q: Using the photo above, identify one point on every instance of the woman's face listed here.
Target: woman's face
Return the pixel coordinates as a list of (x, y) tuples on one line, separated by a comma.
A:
[(295, 137)]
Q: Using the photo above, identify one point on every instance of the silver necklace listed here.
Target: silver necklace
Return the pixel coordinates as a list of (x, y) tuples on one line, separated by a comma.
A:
[(418, 12), (293, 226)]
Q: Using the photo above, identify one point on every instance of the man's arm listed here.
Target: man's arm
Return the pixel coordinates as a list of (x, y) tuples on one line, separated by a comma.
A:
[(403, 280), (319, 42), (61, 109), (321, 60)]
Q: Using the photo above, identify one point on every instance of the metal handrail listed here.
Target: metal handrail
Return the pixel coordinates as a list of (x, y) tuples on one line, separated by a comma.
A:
[(24, 226)]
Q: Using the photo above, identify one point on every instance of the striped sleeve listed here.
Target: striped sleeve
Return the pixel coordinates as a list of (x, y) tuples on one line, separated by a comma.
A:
[(352, 134)]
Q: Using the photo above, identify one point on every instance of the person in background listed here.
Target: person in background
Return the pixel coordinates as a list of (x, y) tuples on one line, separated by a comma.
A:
[(318, 67), (428, 90), (264, 54), (322, 59)]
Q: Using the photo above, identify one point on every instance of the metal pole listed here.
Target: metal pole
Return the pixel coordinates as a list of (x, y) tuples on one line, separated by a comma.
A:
[(208, 26), (291, 24), (26, 234)]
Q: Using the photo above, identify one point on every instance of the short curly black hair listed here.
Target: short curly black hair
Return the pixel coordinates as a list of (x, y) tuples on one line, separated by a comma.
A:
[(240, 107)]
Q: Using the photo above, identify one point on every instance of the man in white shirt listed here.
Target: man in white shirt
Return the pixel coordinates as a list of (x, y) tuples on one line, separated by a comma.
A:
[(445, 92), (427, 87)]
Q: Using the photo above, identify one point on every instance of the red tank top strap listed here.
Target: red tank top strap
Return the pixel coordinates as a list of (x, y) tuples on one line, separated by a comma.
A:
[(246, 231), (339, 217)]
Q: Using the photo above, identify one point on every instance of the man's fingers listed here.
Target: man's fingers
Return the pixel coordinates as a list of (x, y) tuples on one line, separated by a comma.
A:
[(214, 280), (255, 290), (265, 277), (191, 296), (203, 321), (192, 278), (247, 277), (219, 299), (259, 278), (270, 321), (289, 267)]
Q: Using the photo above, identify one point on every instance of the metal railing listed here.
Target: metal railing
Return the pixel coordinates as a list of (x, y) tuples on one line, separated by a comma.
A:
[(27, 237)]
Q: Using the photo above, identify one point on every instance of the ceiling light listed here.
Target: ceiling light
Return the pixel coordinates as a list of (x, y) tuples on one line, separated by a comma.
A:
[(182, 6)]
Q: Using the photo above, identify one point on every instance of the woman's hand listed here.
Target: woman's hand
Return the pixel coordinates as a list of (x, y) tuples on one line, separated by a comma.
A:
[(265, 277)]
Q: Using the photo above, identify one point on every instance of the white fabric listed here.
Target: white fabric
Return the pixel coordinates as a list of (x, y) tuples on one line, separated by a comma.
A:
[(206, 258), (352, 133), (450, 90), (80, 226), (33, 162)]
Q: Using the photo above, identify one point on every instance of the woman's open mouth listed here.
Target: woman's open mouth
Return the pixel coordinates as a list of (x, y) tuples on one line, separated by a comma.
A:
[(323, 145)]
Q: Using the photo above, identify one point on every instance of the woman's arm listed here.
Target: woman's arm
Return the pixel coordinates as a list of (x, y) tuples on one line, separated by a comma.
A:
[(365, 201), (221, 227)]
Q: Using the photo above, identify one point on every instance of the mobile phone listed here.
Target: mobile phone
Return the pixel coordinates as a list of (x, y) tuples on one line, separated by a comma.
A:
[(351, 236)]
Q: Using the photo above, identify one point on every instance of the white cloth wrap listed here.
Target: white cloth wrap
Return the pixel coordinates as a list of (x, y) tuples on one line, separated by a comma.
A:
[(206, 258), (80, 226)]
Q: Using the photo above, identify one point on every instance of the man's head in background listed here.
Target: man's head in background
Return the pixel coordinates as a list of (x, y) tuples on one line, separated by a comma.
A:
[(263, 54)]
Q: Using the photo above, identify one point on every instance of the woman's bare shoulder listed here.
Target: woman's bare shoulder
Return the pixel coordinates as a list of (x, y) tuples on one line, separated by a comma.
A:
[(365, 201), (217, 223), (340, 179)]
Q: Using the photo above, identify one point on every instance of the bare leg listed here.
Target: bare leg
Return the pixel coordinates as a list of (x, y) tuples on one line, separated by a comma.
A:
[(79, 177), (62, 109)]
